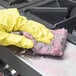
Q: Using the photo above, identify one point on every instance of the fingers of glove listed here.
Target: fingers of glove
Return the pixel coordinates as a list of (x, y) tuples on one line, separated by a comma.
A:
[(17, 40)]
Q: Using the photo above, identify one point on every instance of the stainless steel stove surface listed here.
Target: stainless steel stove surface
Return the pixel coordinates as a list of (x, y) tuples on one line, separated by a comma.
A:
[(54, 66)]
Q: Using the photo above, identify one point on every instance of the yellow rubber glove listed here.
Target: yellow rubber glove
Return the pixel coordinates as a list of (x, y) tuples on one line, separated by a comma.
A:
[(12, 39), (10, 20)]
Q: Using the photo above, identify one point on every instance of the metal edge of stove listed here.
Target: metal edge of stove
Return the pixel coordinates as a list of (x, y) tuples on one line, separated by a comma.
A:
[(22, 66)]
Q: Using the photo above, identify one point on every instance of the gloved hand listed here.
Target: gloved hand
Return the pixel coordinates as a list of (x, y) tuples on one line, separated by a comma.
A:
[(10, 20)]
